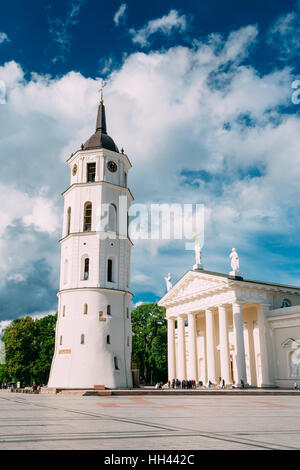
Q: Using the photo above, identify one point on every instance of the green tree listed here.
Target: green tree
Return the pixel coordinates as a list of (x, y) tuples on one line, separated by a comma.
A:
[(149, 342), (29, 346), (4, 377), (45, 339), (21, 348)]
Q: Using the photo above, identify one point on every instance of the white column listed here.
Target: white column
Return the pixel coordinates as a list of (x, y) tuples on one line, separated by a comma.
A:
[(192, 347), (224, 345), (181, 349), (265, 349), (253, 373), (171, 349), (210, 346), (239, 343)]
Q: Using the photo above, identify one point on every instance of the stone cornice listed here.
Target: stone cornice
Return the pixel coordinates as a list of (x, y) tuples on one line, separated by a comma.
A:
[(89, 233), (198, 304), (98, 152), (204, 284), (97, 289), (99, 183), (285, 321)]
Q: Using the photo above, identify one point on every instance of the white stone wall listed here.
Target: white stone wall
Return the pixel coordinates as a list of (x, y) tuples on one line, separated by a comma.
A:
[(77, 365), (285, 327)]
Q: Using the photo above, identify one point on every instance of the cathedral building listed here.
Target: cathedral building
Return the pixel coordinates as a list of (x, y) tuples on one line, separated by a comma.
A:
[(225, 327), (93, 331)]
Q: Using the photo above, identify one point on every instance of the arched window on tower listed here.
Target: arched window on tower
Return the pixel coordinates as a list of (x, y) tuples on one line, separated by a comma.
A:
[(86, 269), (69, 221), (82, 339), (109, 270), (108, 310), (116, 363), (85, 309), (87, 224), (112, 218)]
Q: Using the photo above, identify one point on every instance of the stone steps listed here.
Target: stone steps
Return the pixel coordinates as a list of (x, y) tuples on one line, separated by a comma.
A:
[(252, 392), (167, 392)]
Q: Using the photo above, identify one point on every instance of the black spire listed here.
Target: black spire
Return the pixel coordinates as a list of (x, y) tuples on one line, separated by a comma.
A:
[(100, 139), (101, 119)]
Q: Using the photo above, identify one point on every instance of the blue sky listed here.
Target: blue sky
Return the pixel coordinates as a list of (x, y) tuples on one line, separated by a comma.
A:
[(198, 94), (56, 37)]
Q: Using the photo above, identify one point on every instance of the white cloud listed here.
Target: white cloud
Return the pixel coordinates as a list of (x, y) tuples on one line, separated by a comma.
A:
[(16, 277), (194, 134), (11, 74), (238, 42), (44, 216), (138, 304), (4, 324), (140, 278), (59, 28), (4, 38), (284, 34), (120, 14), (37, 211), (164, 25)]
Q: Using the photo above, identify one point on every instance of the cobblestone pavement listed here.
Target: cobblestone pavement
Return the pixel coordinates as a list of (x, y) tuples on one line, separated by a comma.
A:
[(139, 422)]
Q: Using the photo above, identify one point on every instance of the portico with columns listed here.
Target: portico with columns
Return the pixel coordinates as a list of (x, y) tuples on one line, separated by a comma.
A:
[(221, 327)]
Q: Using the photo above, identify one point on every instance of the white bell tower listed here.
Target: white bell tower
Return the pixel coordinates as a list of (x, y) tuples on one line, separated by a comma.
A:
[(93, 331)]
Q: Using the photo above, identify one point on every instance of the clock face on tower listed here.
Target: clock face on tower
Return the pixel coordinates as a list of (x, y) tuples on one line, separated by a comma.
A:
[(112, 166)]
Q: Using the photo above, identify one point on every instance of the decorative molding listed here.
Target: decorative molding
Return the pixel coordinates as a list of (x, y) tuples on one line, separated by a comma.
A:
[(291, 343), (196, 285), (284, 323), (91, 157)]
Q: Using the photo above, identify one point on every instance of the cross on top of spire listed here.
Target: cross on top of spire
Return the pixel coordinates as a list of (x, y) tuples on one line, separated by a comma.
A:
[(101, 90)]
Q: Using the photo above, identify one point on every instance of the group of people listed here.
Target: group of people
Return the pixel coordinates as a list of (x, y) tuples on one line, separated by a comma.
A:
[(192, 384), (35, 388), (6, 385), (11, 386), (186, 384)]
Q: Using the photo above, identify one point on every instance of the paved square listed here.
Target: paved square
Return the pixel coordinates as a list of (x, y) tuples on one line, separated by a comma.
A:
[(154, 422)]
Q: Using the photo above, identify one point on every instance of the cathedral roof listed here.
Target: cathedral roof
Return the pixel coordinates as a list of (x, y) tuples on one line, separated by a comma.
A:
[(100, 139)]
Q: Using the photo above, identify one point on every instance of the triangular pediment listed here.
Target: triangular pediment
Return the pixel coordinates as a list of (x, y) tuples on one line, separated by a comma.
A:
[(291, 343), (194, 283)]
